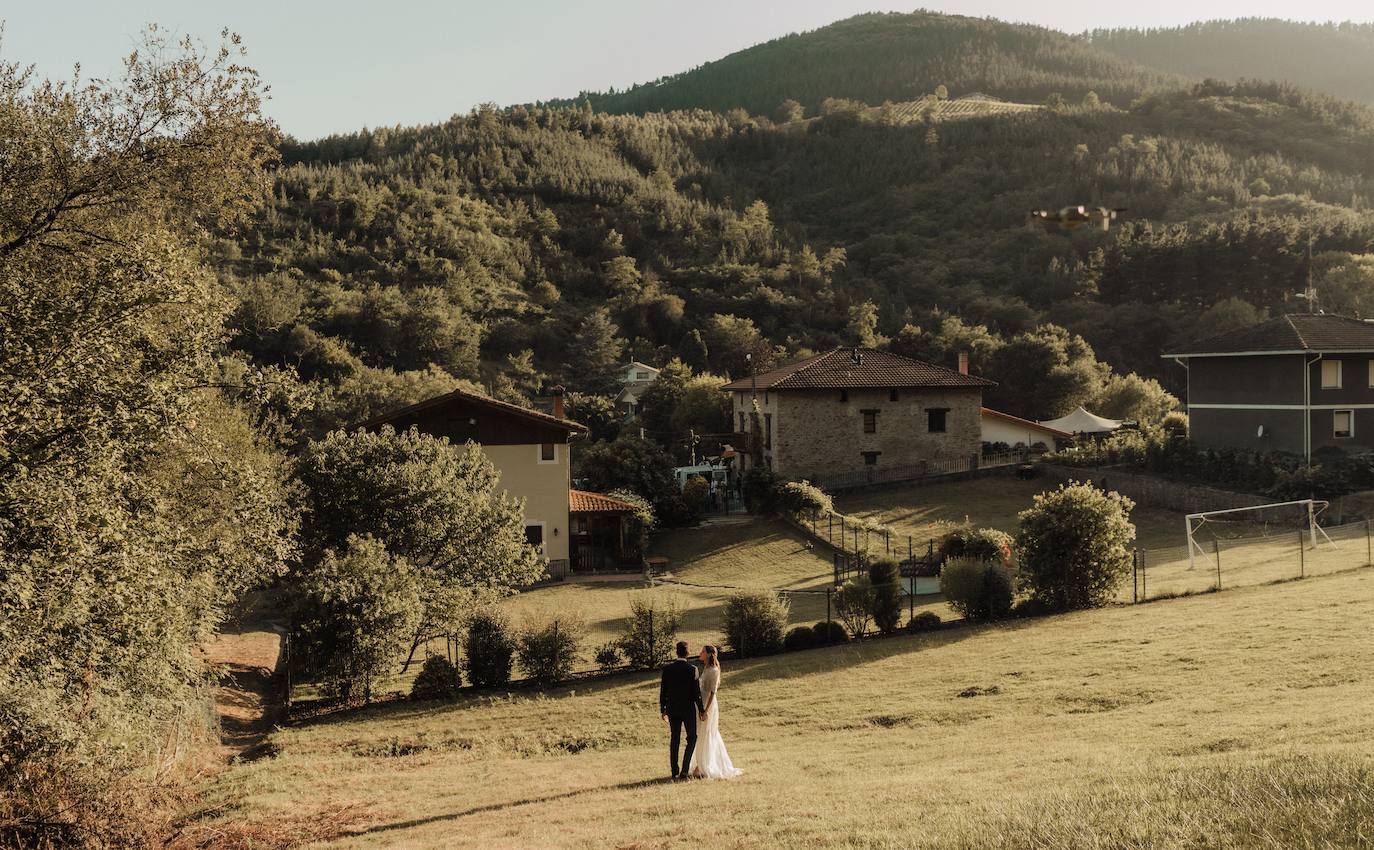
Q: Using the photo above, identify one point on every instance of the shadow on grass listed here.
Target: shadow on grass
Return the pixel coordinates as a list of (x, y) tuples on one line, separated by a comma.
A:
[(501, 807)]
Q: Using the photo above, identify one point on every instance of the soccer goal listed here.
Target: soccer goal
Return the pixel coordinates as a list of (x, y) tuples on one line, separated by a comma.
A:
[(1304, 511)]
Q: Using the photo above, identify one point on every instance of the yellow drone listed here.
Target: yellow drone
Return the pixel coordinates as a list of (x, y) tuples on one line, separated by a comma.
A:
[(1072, 218)]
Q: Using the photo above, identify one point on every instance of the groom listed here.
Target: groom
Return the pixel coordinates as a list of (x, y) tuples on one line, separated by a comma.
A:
[(679, 701)]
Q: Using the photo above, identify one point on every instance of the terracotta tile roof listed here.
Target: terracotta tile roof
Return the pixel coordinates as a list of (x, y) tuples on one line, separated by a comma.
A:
[(1296, 332), (1025, 423), (583, 502), (857, 368), (483, 400)]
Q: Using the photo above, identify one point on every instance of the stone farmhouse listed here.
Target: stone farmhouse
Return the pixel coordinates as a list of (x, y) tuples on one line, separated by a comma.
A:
[(851, 411), (1293, 384)]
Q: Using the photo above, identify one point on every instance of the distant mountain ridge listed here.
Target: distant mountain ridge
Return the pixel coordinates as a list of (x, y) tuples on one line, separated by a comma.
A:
[(893, 57), (1335, 59)]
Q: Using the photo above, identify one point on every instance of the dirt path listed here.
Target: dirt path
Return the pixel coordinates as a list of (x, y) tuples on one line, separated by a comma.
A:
[(249, 698)]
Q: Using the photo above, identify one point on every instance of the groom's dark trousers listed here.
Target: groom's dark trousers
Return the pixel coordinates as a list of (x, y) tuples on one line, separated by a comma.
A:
[(679, 699)]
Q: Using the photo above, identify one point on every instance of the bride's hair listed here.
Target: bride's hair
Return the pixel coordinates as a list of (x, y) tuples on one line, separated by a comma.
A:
[(712, 657)]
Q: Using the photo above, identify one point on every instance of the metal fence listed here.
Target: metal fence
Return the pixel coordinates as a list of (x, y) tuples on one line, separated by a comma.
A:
[(912, 472), (1248, 561)]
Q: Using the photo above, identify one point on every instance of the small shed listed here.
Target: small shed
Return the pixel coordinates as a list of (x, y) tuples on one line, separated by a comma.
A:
[(604, 533)]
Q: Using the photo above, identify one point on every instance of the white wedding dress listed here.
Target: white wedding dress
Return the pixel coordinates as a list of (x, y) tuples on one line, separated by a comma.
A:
[(710, 760)]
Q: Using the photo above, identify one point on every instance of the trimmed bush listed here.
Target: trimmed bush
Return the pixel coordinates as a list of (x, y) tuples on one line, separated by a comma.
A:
[(490, 649), (854, 605), (438, 679), (979, 590), (1030, 607), (754, 622), (608, 657), (1074, 546), (759, 488), (802, 498), (829, 631), (983, 544), (926, 621), (548, 650), (886, 577), (694, 493), (800, 637), (651, 629)]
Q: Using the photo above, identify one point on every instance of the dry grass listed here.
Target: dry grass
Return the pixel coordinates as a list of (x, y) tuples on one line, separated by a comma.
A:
[(1227, 720)]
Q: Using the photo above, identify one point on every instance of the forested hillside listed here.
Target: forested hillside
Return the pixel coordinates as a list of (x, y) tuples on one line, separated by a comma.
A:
[(891, 56), (529, 246), (1336, 59)]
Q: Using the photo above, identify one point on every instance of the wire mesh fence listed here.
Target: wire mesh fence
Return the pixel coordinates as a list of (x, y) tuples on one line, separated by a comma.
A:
[(1247, 561)]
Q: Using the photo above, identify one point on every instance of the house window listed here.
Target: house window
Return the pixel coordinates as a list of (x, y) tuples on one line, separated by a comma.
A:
[(935, 419), (642, 376), (844, 396), (1371, 373), (768, 430), (534, 535), (743, 426), (892, 395), (548, 452), (1331, 374), (871, 458), (870, 421), (1342, 424)]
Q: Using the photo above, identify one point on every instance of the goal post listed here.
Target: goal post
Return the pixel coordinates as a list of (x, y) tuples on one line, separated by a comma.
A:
[(1310, 508)]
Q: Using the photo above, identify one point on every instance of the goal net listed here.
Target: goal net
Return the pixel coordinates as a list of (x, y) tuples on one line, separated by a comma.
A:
[(1256, 521)]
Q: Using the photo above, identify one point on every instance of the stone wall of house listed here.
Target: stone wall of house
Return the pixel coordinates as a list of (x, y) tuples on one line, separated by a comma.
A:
[(815, 434)]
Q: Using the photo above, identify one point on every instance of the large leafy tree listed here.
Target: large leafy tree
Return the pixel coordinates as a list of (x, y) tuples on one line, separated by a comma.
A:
[(433, 503), (135, 500)]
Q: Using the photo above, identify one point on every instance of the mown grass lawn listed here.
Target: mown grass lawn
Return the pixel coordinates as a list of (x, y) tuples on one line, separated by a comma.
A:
[(1238, 719), (925, 511)]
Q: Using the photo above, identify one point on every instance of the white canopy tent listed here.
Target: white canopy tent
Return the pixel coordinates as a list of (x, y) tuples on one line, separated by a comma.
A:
[(1083, 422)]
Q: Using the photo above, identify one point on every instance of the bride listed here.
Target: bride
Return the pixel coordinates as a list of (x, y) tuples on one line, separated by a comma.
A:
[(710, 760)]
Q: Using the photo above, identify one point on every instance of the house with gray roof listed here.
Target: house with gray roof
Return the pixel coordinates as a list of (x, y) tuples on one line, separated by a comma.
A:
[(859, 411), (1294, 384)]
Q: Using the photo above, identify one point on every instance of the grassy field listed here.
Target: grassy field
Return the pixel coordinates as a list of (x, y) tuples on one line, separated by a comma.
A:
[(994, 501), (1234, 720)]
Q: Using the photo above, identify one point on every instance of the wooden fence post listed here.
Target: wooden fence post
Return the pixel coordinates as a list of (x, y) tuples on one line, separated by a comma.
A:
[(1135, 576), (1216, 547)]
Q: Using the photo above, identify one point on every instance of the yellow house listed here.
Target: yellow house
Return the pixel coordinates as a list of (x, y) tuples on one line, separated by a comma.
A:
[(529, 448)]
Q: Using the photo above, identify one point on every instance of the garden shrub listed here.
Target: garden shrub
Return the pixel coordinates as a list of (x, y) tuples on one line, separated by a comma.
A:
[(694, 493), (800, 637), (854, 605), (802, 498), (651, 629), (608, 657), (438, 679), (759, 488), (1074, 546), (829, 631), (490, 649), (754, 622), (925, 621), (886, 577), (548, 649), (978, 590), (1030, 607), (984, 544)]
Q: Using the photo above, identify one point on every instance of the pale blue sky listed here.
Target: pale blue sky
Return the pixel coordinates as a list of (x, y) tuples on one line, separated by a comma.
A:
[(342, 65)]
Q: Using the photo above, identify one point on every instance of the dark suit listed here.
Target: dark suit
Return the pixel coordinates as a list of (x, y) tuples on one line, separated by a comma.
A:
[(679, 697)]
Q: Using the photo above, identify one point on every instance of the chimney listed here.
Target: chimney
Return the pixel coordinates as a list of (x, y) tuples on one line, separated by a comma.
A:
[(963, 363), (558, 402)]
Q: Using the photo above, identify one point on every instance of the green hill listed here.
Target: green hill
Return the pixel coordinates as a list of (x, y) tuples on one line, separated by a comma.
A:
[(890, 56), (1337, 59)]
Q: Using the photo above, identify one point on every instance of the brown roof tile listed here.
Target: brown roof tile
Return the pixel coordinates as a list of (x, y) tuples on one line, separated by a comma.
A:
[(857, 368), (583, 502)]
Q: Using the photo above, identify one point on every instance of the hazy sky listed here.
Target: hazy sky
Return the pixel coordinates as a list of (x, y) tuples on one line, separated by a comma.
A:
[(344, 64)]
